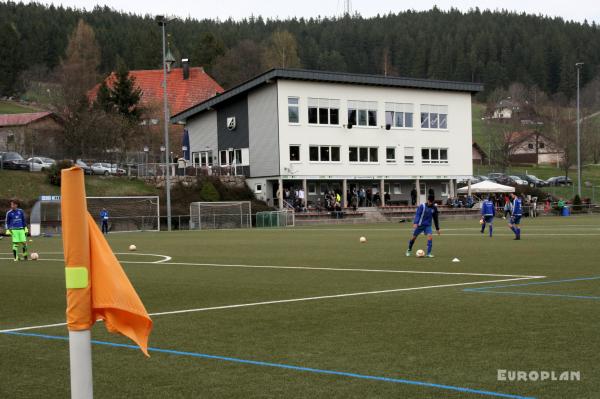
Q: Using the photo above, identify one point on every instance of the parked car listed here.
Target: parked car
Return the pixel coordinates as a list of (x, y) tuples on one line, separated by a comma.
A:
[(40, 164), (86, 169), (13, 160), (519, 181), (559, 181), (497, 177), (533, 181), (106, 169)]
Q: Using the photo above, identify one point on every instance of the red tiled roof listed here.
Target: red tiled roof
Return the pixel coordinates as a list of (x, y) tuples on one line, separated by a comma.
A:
[(21, 119), (182, 93)]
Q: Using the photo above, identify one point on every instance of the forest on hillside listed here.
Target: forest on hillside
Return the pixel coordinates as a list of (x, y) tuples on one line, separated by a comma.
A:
[(495, 48)]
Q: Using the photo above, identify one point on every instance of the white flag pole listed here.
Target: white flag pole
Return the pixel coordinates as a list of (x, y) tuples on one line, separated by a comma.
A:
[(80, 353)]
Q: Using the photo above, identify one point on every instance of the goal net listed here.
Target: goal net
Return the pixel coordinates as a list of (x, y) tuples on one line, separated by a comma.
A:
[(139, 213), (283, 218), (220, 215)]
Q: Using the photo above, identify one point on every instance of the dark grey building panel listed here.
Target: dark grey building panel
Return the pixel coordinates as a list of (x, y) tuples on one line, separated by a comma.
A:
[(264, 131), (238, 137)]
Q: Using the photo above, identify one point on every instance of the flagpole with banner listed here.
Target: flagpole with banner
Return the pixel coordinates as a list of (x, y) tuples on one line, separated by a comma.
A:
[(90, 263)]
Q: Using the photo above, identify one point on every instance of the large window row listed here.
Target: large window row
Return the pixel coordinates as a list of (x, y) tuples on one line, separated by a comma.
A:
[(325, 111), (369, 155)]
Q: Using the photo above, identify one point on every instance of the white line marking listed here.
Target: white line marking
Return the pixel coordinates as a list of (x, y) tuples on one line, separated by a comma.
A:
[(349, 270), (314, 298), (33, 327), (165, 258), (332, 296), (321, 268)]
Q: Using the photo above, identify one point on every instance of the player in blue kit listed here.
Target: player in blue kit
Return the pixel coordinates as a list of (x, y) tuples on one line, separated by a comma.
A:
[(516, 214), (487, 215), (426, 214), (16, 227)]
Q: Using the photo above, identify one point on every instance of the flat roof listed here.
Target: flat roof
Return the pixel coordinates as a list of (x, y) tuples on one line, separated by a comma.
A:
[(327, 77)]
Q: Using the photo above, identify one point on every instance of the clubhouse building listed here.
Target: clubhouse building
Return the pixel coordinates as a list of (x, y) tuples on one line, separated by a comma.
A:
[(325, 131)]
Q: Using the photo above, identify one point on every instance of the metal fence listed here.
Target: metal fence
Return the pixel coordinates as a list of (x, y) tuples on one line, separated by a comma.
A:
[(160, 169)]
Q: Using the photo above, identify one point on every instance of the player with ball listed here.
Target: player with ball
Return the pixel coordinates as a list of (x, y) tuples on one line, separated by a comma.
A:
[(426, 214)]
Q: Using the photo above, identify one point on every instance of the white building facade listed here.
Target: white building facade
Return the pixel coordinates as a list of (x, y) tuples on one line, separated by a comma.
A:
[(322, 131)]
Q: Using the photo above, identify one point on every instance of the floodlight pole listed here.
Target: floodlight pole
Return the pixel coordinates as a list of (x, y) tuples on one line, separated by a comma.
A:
[(162, 21), (578, 65)]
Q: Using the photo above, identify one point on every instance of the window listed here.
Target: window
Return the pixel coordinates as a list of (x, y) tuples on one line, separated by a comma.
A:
[(409, 155), (353, 154), (223, 157), (399, 115), (434, 155), (238, 157), (530, 146), (362, 113), (363, 154), (542, 145), (322, 111), (324, 153), (312, 188), (293, 110), (295, 153), (258, 188), (397, 188), (390, 154), (434, 116)]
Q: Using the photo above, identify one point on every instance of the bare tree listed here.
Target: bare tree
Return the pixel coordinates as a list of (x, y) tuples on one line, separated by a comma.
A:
[(281, 51)]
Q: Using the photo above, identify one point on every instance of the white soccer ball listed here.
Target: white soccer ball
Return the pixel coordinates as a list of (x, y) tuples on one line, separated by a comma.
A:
[(363, 239), (132, 247), (420, 253), (34, 256)]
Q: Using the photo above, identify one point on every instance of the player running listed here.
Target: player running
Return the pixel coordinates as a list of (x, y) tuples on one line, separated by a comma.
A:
[(426, 213), (16, 227), (516, 213), (487, 215)]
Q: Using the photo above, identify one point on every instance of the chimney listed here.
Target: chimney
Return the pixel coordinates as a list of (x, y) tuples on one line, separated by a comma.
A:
[(186, 68)]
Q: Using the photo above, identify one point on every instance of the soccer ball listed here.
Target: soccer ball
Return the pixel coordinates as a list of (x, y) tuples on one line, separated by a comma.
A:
[(34, 256), (132, 247), (363, 239), (420, 253)]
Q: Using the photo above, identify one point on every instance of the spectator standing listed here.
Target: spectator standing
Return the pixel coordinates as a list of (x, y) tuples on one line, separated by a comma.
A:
[(104, 220)]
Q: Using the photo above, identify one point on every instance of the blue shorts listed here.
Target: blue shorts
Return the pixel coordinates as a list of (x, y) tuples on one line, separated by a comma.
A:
[(422, 229), (515, 219), (488, 219)]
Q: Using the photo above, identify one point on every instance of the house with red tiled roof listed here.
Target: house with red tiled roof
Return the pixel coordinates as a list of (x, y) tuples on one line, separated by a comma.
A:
[(36, 133), (186, 87)]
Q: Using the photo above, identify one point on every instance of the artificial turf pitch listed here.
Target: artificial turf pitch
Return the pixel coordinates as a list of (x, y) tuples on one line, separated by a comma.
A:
[(298, 335)]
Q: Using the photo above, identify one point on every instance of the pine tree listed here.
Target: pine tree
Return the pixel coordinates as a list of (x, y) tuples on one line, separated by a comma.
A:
[(125, 96)]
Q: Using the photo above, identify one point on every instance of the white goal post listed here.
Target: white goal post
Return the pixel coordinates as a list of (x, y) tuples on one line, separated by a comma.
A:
[(220, 215), (126, 214)]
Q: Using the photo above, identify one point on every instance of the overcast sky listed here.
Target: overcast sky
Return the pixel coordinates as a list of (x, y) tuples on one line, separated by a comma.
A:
[(577, 10)]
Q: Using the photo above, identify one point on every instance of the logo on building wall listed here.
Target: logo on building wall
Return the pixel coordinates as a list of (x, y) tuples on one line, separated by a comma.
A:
[(231, 123)]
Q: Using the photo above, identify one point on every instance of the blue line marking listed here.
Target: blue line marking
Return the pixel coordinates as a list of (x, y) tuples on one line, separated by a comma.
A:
[(488, 290), (287, 366)]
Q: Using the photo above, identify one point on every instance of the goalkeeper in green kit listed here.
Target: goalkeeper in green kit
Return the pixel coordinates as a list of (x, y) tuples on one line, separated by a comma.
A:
[(16, 227)]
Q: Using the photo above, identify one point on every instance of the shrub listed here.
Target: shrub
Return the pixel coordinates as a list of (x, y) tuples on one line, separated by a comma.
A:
[(577, 203), (54, 171), (208, 192)]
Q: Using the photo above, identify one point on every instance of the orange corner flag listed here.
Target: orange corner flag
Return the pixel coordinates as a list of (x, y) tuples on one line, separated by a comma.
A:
[(97, 286)]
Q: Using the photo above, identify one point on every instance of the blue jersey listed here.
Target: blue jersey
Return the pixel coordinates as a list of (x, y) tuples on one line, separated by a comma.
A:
[(15, 219), (104, 215), (425, 215), (487, 208), (516, 208)]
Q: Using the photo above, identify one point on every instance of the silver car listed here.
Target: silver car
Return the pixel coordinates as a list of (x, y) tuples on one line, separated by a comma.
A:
[(40, 164), (106, 169)]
